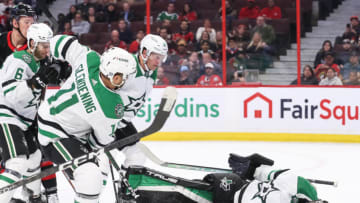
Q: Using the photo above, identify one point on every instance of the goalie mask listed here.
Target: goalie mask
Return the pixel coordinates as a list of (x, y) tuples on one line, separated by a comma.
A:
[(117, 61), (153, 44), (39, 32)]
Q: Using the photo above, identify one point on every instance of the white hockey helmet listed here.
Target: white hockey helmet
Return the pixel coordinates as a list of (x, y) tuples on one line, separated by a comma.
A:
[(38, 32), (117, 61), (153, 44)]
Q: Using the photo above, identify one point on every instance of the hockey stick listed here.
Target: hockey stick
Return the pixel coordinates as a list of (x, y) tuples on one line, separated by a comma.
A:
[(167, 103), (149, 154), (113, 178)]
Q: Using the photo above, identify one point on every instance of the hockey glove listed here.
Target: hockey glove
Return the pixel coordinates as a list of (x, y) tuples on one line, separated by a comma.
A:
[(127, 131), (43, 76), (245, 166)]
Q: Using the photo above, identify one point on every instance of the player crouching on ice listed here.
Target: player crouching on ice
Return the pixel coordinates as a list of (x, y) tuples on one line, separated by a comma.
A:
[(253, 180), (95, 106), (22, 81)]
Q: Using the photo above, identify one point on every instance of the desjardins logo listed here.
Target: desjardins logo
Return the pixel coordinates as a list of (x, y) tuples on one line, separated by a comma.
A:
[(186, 108)]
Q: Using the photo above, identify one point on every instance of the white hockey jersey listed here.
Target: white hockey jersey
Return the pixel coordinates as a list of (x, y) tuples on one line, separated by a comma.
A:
[(18, 102), (275, 186), (84, 108)]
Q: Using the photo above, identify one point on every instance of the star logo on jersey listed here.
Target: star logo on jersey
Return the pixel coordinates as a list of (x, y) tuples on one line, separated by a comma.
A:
[(34, 101), (265, 188), (225, 184), (135, 104)]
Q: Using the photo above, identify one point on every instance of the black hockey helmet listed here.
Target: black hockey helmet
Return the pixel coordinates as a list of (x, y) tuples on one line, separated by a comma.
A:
[(20, 10)]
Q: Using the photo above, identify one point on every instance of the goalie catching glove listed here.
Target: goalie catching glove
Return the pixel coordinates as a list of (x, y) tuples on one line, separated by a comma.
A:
[(245, 166)]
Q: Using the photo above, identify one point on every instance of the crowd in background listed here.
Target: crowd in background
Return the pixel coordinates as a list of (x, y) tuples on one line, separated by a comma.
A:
[(336, 63), (195, 42)]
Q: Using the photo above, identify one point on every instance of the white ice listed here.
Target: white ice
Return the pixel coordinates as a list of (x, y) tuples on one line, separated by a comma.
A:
[(327, 161)]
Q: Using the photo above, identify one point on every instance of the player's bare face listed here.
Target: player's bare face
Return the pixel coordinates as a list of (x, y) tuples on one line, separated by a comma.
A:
[(42, 50), (154, 61), (24, 24)]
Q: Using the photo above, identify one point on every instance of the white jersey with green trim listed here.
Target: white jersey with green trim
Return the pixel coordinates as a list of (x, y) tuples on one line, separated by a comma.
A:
[(18, 102), (275, 186), (83, 108)]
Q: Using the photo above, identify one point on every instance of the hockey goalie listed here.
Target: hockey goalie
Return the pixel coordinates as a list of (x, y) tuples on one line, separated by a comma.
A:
[(253, 180)]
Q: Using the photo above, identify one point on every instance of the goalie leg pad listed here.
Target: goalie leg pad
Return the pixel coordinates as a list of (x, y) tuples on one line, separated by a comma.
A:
[(88, 183), (134, 156)]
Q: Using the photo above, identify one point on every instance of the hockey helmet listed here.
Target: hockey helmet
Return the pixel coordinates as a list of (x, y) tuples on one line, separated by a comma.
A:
[(22, 9), (38, 32), (116, 60), (153, 44)]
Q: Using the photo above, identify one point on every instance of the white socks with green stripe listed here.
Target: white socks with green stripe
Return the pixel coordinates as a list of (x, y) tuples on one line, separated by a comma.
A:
[(88, 182), (17, 167)]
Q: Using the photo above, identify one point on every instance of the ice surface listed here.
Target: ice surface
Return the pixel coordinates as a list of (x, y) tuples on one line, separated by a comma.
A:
[(327, 161)]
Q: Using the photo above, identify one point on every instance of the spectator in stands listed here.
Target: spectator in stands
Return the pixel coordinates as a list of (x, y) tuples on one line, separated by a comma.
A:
[(307, 78), (68, 29), (251, 11), (84, 6), (110, 13), (331, 78), (188, 13), (259, 53), (205, 47), (207, 27), (72, 12), (218, 45), (326, 47), (61, 22), (181, 53), (267, 31), (354, 20), (353, 78), (232, 48), (164, 33), (352, 65), (127, 14), (343, 56), (169, 14), (193, 63), (321, 69), (184, 33), (349, 34), (161, 78), (230, 12), (205, 36), (115, 41), (134, 46), (125, 33), (91, 15), (272, 11), (209, 78), (236, 67), (240, 34), (206, 58), (79, 26), (185, 76)]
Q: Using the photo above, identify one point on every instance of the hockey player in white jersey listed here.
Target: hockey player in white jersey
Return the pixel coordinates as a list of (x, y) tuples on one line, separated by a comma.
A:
[(22, 82), (95, 106)]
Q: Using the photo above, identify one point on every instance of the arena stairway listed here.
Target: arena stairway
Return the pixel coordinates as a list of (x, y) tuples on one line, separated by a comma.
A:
[(285, 70)]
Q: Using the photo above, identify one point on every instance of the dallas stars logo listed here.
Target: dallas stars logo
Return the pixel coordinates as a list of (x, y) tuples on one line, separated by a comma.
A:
[(265, 188), (135, 104), (225, 184), (34, 101)]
